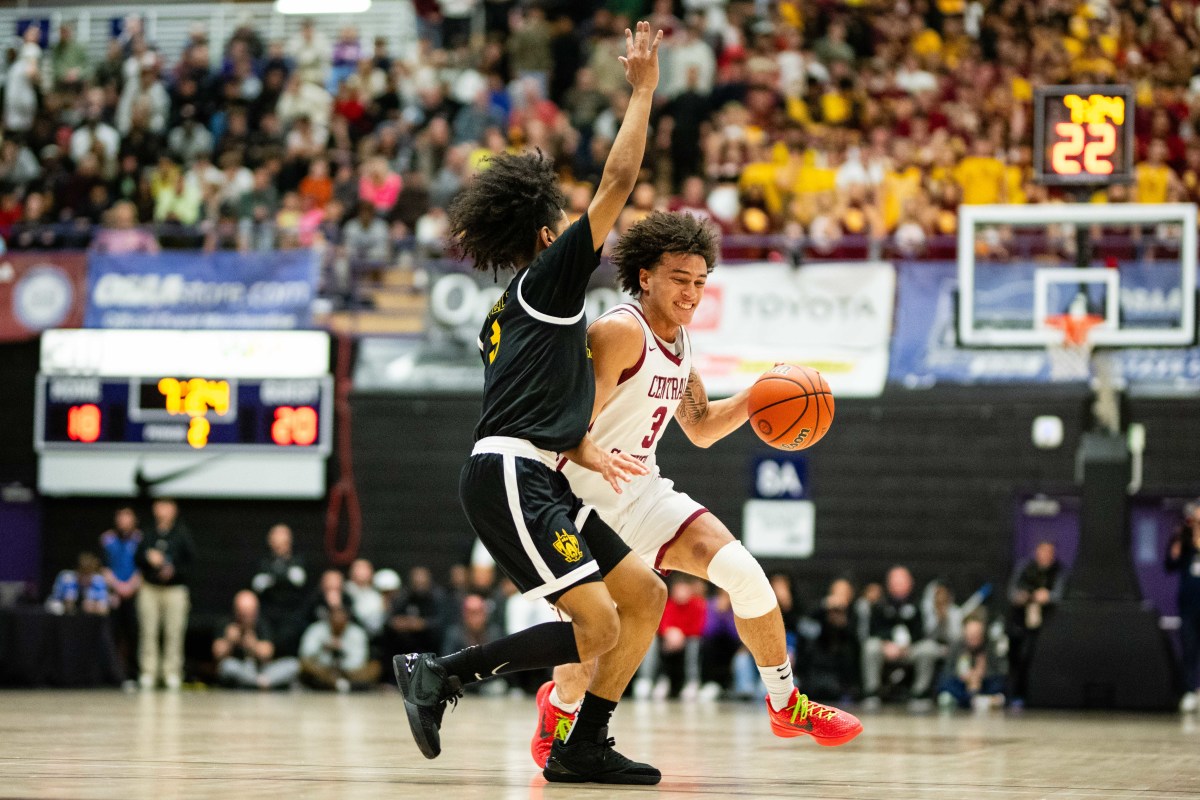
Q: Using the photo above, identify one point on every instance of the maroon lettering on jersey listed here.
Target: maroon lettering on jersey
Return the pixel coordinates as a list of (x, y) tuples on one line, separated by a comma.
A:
[(667, 388)]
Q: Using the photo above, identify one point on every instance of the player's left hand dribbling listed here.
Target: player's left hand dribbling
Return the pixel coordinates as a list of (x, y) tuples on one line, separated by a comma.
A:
[(618, 468)]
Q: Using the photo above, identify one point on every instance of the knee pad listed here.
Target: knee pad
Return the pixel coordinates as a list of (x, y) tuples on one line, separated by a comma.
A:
[(739, 573)]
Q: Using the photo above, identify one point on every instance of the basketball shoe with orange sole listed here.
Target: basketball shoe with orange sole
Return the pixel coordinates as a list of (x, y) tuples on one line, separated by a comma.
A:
[(553, 723), (802, 717)]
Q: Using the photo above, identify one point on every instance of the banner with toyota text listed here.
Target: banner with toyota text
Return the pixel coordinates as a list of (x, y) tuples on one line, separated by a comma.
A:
[(836, 318)]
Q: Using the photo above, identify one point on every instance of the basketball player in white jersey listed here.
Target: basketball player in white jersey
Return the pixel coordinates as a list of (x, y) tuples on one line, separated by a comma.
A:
[(642, 359)]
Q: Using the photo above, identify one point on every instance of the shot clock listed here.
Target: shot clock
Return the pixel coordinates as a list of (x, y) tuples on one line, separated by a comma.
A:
[(245, 413), (1083, 135)]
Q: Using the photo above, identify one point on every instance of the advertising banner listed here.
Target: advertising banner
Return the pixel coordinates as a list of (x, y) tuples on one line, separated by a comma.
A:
[(221, 290), (925, 351), (836, 318), (39, 291)]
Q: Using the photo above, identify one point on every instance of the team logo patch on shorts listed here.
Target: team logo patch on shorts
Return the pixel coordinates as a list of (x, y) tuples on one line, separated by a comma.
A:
[(568, 547)]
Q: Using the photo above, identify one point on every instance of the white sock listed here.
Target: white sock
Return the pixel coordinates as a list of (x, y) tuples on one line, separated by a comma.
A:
[(779, 684), (569, 708)]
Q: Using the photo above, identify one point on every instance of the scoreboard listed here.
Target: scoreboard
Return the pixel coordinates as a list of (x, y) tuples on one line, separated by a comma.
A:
[(140, 414), (1083, 135), (211, 413)]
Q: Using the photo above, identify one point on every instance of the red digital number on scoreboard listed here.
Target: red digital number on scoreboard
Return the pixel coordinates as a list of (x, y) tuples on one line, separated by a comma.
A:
[(83, 423), (294, 426)]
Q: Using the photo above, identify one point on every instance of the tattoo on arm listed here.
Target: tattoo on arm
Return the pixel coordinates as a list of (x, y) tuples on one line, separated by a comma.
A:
[(694, 405)]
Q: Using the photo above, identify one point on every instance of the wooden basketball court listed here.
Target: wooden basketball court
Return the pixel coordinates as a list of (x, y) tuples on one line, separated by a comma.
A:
[(301, 745)]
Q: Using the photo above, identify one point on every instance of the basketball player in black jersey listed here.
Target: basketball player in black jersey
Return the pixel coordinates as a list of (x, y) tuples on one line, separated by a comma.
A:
[(539, 389)]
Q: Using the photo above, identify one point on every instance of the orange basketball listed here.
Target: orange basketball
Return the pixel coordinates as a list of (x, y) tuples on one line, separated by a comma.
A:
[(790, 407)]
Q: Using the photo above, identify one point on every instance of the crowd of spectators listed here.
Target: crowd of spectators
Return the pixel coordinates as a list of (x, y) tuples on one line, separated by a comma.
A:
[(816, 120), (336, 630)]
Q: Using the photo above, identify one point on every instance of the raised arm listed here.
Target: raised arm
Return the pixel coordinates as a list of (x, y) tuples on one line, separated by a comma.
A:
[(629, 148), (707, 422)]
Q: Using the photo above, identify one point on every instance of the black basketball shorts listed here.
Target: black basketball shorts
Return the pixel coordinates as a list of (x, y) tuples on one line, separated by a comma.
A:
[(523, 510)]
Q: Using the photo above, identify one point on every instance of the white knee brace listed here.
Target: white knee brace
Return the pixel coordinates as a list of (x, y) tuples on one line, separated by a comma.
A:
[(737, 572)]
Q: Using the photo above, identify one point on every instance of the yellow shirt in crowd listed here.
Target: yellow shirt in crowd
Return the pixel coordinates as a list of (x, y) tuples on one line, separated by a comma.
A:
[(981, 179), (1152, 183), (897, 187)]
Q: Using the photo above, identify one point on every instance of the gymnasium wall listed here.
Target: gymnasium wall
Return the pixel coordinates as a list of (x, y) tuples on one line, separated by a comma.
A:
[(920, 477), (923, 478)]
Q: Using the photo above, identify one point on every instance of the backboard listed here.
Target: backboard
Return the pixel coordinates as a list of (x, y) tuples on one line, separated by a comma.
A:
[(1018, 275)]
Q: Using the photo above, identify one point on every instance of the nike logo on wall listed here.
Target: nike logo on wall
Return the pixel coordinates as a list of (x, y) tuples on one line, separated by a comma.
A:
[(144, 484)]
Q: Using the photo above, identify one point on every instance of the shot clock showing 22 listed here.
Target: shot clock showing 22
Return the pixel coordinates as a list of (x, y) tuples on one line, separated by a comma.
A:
[(245, 413)]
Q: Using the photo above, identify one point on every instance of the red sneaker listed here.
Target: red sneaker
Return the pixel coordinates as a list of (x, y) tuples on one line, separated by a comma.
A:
[(553, 723), (801, 716)]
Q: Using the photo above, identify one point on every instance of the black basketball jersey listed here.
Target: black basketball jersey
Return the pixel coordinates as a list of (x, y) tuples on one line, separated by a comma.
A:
[(538, 380)]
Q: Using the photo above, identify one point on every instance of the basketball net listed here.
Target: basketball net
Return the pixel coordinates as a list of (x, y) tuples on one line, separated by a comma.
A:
[(1071, 358)]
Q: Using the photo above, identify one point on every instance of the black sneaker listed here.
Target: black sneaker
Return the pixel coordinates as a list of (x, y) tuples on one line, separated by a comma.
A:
[(426, 689), (595, 762)]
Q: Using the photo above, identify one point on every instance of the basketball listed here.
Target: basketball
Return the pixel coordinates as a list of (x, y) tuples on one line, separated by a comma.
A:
[(791, 407)]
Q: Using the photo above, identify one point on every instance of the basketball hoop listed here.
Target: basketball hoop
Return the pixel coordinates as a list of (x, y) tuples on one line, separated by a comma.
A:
[(1071, 358)]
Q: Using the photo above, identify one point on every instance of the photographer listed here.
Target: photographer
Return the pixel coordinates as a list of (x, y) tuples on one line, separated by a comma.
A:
[(334, 654), (245, 654)]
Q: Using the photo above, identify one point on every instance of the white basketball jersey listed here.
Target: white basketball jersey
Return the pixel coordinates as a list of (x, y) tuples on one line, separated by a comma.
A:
[(636, 415)]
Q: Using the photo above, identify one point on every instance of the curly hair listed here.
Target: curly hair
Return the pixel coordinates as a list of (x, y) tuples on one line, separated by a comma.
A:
[(495, 219), (660, 234)]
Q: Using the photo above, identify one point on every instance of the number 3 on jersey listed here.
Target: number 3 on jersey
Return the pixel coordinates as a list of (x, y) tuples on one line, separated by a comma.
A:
[(495, 340), (656, 423)]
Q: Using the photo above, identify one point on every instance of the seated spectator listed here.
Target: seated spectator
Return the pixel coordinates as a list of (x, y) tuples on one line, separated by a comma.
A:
[(70, 64), (334, 654), (281, 583), (379, 186), (18, 165), (119, 546), (317, 184), (896, 637), (673, 662), (366, 238), (418, 616), (245, 653), (121, 235), (476, 627), (35, 231), (365, 599), (330, 594), (256, 211), (387, 583), (975, 671), (725, 664), (943, 619), (1035, 589), (830, 664), (179, 202), (82, 589), (189, 139)]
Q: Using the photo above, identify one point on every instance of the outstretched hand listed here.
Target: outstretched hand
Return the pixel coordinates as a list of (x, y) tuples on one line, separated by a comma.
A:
[(618, 468), (641, 57)]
